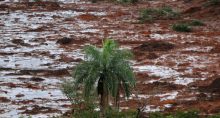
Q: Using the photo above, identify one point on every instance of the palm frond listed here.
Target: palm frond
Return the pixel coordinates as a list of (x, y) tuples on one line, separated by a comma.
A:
[(109, 64)]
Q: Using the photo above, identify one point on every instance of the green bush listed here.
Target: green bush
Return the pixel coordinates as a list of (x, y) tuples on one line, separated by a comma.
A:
[(147, 15), (196, 23), (127, 1), (182, 27), (214, 2), (151, 14), (168, 12)]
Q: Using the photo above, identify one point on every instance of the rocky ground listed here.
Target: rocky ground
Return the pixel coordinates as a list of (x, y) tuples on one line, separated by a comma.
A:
[(40, 43)]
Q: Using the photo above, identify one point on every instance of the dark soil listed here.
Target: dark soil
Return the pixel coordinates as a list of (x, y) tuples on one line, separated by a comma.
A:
[(4, 99), (213, 87), (155, 46), (38, 109)]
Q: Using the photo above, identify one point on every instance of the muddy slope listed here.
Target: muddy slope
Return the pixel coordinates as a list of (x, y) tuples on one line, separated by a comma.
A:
[(41, 43)]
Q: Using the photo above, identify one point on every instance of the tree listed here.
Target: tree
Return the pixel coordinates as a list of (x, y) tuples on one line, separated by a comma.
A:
[(105, 72)]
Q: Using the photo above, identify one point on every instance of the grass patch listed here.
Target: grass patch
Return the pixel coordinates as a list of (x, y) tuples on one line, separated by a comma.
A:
[(214, 116), (163, 13), (182, 27), (111, 113)]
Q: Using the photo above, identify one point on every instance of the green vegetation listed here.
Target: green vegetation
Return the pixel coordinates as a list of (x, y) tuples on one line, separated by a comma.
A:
[(196, 23), (151, 14), (116, 114), (187, 26), (181, 114), (186, 114), (182, 27), (127, 1), (104, 72), (110, 113), (214, 116), (214, 2)]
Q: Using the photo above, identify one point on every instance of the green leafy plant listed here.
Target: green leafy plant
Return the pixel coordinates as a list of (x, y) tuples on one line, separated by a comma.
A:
[(181, 27), (196, 23), (103, 73), (151, 14)]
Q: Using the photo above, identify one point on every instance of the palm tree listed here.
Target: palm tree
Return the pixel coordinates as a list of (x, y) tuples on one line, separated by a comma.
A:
[(105, 71)]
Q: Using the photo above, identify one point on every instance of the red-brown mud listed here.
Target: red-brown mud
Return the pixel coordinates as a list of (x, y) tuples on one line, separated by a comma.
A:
[(174, 70)]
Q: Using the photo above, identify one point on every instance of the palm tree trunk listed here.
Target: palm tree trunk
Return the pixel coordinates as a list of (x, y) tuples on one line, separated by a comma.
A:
[(103, 92), (104, 103), (117, 100)]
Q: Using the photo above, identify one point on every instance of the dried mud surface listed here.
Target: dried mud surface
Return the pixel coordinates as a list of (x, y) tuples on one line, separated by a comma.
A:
[(40, 43)]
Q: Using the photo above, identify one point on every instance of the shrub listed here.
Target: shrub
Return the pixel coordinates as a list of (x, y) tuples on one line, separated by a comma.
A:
[(148, 15), (196, 23), (181, 27), (214, 2), (127, 1), (168, 12)]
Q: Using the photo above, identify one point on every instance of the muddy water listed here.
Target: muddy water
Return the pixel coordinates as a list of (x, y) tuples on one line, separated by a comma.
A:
[(29, 61), (33, 64)]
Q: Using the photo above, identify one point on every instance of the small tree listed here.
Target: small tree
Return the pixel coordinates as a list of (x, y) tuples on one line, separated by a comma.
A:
[(105, 72)]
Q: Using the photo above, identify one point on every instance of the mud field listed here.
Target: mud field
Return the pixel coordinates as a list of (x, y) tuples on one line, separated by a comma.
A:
[(40, 43)]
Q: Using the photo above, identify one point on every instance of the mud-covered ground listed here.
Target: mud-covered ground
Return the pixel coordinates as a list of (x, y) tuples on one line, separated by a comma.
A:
[(40, 43)]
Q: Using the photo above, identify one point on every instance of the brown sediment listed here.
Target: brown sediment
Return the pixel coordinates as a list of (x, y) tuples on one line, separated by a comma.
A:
[(193, 55), (38, 109)]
